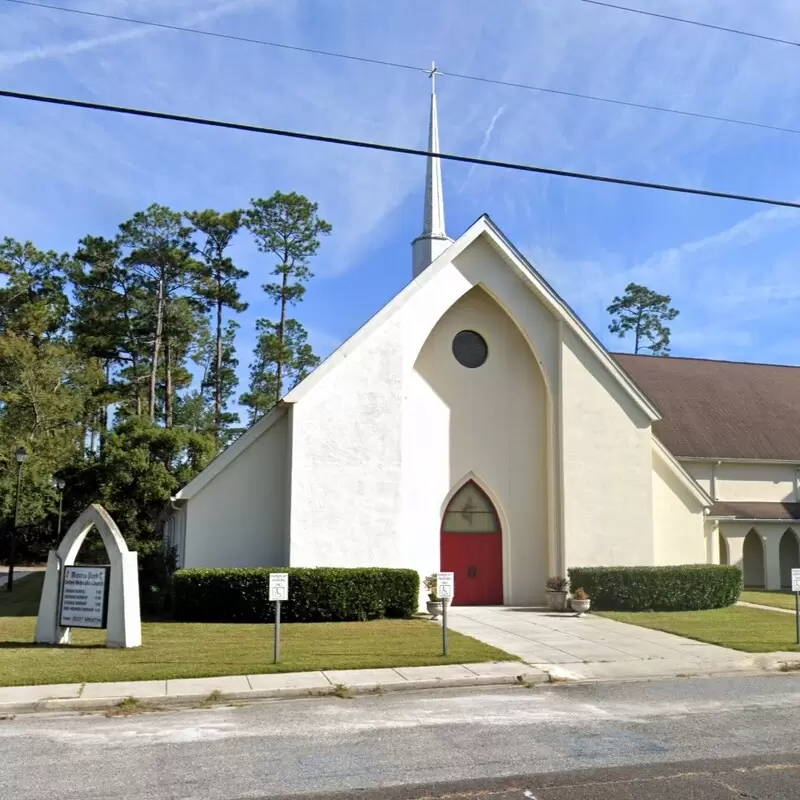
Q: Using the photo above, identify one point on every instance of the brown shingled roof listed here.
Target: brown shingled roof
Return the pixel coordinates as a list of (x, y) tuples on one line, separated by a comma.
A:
[(721, 409)]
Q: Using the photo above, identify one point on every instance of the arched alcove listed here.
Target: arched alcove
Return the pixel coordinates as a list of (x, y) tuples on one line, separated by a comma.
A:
[(789, 554), (753, 561), (478, 403)]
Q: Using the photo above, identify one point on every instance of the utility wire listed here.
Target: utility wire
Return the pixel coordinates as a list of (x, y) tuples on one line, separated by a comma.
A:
[(389, 148), (413, 68), (697, 23)]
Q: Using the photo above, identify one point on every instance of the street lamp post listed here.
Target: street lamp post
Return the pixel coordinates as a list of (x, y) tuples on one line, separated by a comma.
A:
[(60, 484), (21, 455)]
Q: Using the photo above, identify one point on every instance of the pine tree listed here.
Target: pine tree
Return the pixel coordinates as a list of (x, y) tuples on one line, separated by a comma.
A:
[(219, 287), (159, 251), (288, 227), (643, 312)]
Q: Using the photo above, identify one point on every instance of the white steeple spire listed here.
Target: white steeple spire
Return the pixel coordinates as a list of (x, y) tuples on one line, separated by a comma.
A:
[(433, 240)]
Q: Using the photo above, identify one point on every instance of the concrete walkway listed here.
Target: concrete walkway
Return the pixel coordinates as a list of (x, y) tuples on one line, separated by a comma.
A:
[(765, 608), (569, 647)]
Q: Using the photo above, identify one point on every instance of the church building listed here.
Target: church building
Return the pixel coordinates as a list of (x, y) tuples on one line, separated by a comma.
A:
[(476, 425)]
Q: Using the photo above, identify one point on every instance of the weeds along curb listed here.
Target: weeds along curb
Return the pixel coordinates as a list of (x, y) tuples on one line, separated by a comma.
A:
[(191, 701)]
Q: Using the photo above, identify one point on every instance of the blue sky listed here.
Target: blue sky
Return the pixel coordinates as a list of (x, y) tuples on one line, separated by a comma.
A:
[(730, 267)]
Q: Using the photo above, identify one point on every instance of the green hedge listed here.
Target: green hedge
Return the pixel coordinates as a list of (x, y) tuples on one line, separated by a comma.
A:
[(683, 588), (315, 595)]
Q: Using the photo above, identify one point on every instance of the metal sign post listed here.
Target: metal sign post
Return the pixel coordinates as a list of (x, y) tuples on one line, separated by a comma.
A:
[(445, 586), (278, 592), (796, 590)]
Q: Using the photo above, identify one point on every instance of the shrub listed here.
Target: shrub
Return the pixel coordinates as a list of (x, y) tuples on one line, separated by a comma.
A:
[(315, 595), (682, 588)]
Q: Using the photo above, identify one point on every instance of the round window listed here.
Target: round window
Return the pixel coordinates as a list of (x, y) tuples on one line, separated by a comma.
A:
[(470, 349)]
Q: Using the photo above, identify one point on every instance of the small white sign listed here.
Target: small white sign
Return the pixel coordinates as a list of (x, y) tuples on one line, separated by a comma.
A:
[(84, 597), (278, 586), (796, 580), (445, 585)]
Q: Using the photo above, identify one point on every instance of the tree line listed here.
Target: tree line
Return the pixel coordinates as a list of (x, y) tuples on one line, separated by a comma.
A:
[(98, 349)]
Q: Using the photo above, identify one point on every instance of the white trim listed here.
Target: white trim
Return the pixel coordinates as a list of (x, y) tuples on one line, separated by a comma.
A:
[(483, 226), (680, 472), (788, 522), (230, 454), (714, 459)]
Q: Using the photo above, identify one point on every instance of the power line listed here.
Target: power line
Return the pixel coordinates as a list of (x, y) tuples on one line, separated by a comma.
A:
[(215, 35), (697, 23), (389, 148), (414, 68)]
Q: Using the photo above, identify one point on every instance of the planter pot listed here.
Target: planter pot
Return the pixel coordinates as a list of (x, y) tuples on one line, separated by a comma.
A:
[(580, 606), (556, 601), (434, 608)]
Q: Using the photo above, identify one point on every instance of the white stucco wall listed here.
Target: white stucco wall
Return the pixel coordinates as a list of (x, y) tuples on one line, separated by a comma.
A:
[(741, 482), (239, 518), (346, 460), (489, 424), (607, 466), (678, 519)]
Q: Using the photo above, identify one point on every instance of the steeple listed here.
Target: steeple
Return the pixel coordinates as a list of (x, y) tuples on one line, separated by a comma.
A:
[(433, 240)]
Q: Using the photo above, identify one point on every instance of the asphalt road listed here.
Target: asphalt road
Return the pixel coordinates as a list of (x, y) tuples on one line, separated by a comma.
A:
[(661, 740)]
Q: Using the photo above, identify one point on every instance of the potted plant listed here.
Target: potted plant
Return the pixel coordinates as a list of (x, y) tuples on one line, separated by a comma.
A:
[(580, 602), (557, 593), (434, 604)]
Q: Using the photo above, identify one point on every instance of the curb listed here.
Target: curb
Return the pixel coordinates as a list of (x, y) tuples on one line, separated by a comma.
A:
[(88, 705), (550, 674)]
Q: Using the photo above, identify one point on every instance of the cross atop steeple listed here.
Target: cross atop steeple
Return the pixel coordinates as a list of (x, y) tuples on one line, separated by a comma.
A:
[(433, 240), (432, 73)]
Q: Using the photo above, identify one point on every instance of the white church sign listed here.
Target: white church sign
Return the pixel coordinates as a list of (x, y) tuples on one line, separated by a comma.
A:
[(91, 597), (84, 597), (796, 580)]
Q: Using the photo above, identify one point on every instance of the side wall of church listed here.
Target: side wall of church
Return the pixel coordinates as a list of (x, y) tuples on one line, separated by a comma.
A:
[(607, 465), (239, 518), (678, 518)]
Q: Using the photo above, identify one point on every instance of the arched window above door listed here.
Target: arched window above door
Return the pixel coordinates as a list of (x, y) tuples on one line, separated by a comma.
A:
[(470, 511)]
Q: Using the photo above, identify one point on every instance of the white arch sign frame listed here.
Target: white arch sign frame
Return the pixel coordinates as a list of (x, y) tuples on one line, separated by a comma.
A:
[(124, 618)]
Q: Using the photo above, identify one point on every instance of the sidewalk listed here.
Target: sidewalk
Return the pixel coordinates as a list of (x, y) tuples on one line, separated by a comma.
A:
[(192, 692)]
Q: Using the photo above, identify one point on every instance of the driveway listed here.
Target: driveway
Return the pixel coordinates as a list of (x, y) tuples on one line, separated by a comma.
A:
[(590, 646), (19, 573)]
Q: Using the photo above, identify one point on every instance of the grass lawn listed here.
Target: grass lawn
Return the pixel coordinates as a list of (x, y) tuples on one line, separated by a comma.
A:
[(194, 650), (782, 599), (748, 629)]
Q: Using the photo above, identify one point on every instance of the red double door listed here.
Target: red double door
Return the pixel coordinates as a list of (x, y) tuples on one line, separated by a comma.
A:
[(476, 561), (472, 547)]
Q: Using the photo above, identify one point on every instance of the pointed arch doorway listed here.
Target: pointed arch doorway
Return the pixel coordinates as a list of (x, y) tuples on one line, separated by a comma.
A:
[(472, 547)]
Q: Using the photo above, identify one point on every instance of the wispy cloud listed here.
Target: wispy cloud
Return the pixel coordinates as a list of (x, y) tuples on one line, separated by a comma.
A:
[(487, 137), (130, 33)]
